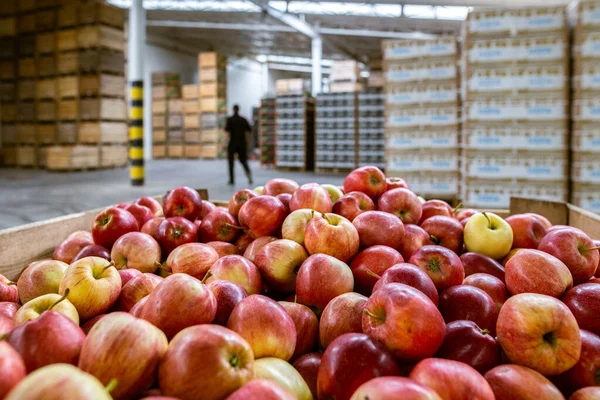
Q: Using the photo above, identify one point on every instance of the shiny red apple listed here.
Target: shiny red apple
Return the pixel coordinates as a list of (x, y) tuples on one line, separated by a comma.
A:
[(262, 216), (311, 196), (183, 202), (238, 199), (379, 228), (369, 180), (218, 225), (442, 265), (410, 275), (444, 231), (370, 263), (342, 315), (111, 224), (175, 231), (402, 203), (353, 204), (465, 302)]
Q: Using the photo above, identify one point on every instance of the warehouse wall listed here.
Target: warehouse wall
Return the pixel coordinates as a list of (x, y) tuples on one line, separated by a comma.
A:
[(244, 85)]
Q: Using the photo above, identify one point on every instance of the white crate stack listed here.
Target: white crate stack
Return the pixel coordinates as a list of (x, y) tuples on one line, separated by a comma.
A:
[(371, 129), (422, 114), (585, 141), (515, 109), (336, 128)]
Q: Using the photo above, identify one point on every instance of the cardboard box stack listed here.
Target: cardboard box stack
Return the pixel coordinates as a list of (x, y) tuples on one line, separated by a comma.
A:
[(345, 77), (295, 120), (297, 86), (516, 106), (585, 141), (166, 87), (191, 121), (212, 72), (371, 129), (267, 131), (422, 114)]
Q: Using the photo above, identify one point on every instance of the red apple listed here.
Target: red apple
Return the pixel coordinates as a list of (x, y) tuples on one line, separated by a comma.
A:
[(587, 370), (465, 302), (93, 250), (6, 325), (141, 213), (533, 271), (285, 199), (442, 265), (127, 274), (478, 263), (238, 199), (69, 247), (89, 324), (307, 327), (403, 203), (584, 302), (353, 204), (218, 225), (396, 183), (183, 202), (405, 320), (444, 231), (39, 278), (342, 315), (151, 226), (262, 389), (371, 224), (528, 231), (414, 238), (312, 196), (278, 263), (489, 284), (392, 387), (588, 393), (243, 242), (123, 205), (265, 325), (12, 368), (333, 235), (223, 248), (410, 275), (435, 207), (194, 259), (308, 367), (207, 208), (575, 249), (369, 180), (152, 204), (294, 225), (452, 379), (8, 290), (174, 232), (597, 244), (136, 250), (280, 185), (539, 332), (238, 270), (228, 295), (351, 360), (515, 382), (136, 310), (545, 222), (8, 309), (111, 224), (257, 245), (371, 263), (262, 216), (465, 213), (136, 289)]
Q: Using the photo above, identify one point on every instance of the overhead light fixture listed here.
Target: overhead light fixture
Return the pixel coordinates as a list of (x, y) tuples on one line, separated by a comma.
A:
[(261, 58)]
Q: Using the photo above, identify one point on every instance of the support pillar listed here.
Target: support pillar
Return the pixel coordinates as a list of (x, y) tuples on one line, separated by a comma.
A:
[(137, 27), (317, 73)]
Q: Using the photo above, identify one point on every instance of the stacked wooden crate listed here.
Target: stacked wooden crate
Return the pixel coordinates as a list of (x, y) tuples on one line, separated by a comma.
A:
[(585, 142), (175, 128), (166, 86), (8, 82), (212, 72), (267, 131), (192, 147), (345, 77), (516, 119)]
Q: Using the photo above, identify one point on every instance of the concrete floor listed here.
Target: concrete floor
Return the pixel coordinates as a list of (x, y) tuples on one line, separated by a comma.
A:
[(28, 195)]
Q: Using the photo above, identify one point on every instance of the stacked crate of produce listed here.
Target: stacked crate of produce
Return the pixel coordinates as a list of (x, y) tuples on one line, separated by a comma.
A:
[(165, 86), (336, 132), (267, 131), (345, 77), (296, 86), (371, 129), (295, 144), (422, 114), (516, 106), (585, 141), (191, 121), (212, 72), (175, 128), (8, 82)]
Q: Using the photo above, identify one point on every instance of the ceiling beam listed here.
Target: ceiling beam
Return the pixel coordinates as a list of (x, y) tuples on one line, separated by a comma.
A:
[(288, 19), (467, 3)]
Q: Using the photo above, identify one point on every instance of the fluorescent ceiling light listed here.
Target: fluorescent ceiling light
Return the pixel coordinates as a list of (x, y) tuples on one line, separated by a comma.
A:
[(290, 60), (338, 8), (192, 5)]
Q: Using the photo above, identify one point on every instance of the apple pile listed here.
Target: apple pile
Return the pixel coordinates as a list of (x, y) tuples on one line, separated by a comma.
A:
[(365, 291)]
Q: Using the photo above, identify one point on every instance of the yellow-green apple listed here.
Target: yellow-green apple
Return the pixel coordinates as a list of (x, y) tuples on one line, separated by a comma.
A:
[(201, 354), (168, 306), (307, 327), (539, 332), (333, 235), (369, 180), (435, 207), (584, 302), (442, 265), (136, 310), (259, 190), (218, 225), (194, 259), (261, 389), (488, 234), (414, 238), (127, 274), (228, 295), (141, 213), (49, 339), (8, 290), (136, 250), (256, 245), (474, 263), (587, 370), (285, 200), (111, 224), (183, 202), (444, 231), (452, 379), (493, 286), (534, 271), (464, 213), (207, 208), (59, 381), (237, 269), (466, 342), (223, 248), (152, 204), (402, 203), (89, 324), (516, 382), (342, 315), (371, 224), (405, 321), (8, 309), (334, 192), (93, 286), (312, 196), (151, 226), (528, 231), (262, 216), (349, 361), (280, 185), (136, 289), (93, 250), (371, 263), (308, 367), (575, 249), (123, 347), (12, 368), (588, 393), (69, 247), (238, 199), (279, 262), (34, 308), (395, 183), (265, 325), (294, 225), (410, 275), (393, 387), (320, 279), (469, 303), (174, 232), (282, 373), (39, 278), (353, 204)]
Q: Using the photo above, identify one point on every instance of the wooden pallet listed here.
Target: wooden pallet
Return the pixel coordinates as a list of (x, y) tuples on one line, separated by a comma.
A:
[(72, 158)]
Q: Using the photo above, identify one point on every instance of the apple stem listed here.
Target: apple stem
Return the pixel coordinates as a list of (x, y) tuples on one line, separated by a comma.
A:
[(584, 250), (64, 296), (111, 385), (159, 265), (208, 275), (434, 239), (485, 332), (4, 337), (295, 298), (370, 314), (11, 283), (373, 274), (110, 264), (488, 219), (458, 207), (227, 224)]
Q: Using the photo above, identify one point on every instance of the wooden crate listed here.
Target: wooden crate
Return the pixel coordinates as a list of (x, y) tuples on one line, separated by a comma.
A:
[(42, 4), (100, 36), (213, 89), (175, 121), (102, 132), (46, 111), (159, 107), (8, 48), (68, 86), (46, 20), (158, 122), (191, 121), (8, 7), (166, 92), (46, 66), (174, 150), (9, 155), (26, 46), (8, 26), (101, 85), (68, 109), (175, 106), (65, 158), (27, 68), (45, 43), (67, 15), (175, 135), (209, 151), (191, 136), (8, 132), (67, 132), (213, 104), (9, 113), (26, 133), (26, 156), (26, 90), (192, 151), (113, 155), (101, 60), (94, 12), (159, 135), (191, 106), (45, 133), (45, 89), (190, 92), (211, 136), (66, 40), (8, 92), (8, 70), (67, 63), (165, 78), (42, 156), (211, 60), (159, 151), (26, 112), (103, 108), (25, 23)]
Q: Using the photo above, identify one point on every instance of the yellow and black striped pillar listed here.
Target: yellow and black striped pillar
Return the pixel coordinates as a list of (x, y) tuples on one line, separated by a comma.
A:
[(136, 134)]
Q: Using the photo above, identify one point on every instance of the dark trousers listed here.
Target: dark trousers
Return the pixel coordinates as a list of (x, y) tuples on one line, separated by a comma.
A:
[(242, 153)]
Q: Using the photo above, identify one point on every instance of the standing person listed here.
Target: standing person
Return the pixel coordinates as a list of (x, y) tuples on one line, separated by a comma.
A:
[(237, 127)]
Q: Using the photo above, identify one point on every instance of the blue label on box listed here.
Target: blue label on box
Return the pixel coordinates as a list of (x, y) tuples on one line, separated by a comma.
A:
[(400, 51), (488, 169), (490, 83), (489, 23), (440, 141), (541, 21), (441, 164), (440, 96), (540, 51), (402, 142), (488, 140), (540, 82), (490, 198), (490, 53), (489, 111), (441, 186), (539, 140), (595, 110), (439, 48), (539, 110), (539, 171), (440, 118), (438, 72), (395, 75)]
